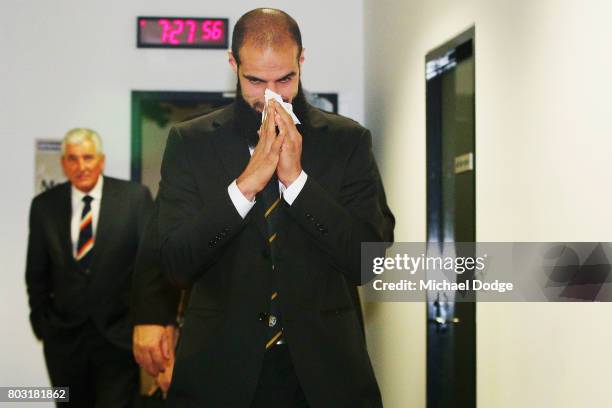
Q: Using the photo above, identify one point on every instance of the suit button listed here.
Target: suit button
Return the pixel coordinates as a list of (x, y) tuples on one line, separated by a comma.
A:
[(226, 229)]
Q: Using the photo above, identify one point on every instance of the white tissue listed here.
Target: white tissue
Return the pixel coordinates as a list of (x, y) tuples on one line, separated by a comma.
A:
[(268, 94)]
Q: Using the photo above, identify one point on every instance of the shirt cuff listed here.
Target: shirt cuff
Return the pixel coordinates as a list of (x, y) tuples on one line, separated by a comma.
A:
[(291, 193), (242, 204)]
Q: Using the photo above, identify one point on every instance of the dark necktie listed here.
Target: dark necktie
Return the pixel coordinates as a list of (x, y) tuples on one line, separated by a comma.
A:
[(86, 238), (271, 200)]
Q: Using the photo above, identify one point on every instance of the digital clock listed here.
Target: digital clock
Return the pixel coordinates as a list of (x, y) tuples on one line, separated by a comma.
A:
[(182, 32)]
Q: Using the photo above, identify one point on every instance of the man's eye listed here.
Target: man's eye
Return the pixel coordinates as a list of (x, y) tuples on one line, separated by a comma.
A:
[(255, 81), (285, 80)]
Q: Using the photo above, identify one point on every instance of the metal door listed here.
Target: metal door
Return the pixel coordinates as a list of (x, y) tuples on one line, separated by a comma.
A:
[(451, 330)]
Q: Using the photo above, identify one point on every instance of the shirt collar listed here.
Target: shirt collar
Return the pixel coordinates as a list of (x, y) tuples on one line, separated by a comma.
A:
[(95, 193)]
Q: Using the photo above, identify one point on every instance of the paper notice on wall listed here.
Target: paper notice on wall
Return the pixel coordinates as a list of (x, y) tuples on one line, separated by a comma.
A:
[(48, 170)]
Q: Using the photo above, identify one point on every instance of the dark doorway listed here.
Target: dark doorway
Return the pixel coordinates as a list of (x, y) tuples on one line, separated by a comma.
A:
[(451, 217), (153, 114)]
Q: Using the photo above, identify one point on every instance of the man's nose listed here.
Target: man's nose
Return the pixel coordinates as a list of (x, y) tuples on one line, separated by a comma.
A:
[(82, 165), (272, 86)]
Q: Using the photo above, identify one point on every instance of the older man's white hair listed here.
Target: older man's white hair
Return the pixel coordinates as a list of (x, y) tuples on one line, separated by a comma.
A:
[(80, 135)]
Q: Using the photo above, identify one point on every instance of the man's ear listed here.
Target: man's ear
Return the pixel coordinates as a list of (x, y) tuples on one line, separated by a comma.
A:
[(301, 59), (64, 163), (232, 61)]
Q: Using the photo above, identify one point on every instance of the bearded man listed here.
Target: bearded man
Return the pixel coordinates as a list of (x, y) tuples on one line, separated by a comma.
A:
[(265, 220)]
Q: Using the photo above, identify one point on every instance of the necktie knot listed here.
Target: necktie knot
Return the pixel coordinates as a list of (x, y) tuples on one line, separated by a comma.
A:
[(87, 199)]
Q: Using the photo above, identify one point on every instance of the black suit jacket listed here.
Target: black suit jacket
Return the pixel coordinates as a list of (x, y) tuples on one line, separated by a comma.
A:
[(205, 242), (154, 300), (61, 295)]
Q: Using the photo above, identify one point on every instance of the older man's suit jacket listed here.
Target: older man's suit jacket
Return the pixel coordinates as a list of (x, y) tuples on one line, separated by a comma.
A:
[(205, 242), (62, 296)]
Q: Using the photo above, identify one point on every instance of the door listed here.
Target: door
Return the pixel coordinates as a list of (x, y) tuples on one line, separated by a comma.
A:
[(451, 217)]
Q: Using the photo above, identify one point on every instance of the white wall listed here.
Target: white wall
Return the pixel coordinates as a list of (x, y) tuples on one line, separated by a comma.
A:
[(543, 143), (69, 63)]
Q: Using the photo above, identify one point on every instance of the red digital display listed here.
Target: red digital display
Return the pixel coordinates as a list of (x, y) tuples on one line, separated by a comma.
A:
[(181, 32)]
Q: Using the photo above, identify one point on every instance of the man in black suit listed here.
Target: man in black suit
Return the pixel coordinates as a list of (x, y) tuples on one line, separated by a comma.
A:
[(266, 220), (84, 235)]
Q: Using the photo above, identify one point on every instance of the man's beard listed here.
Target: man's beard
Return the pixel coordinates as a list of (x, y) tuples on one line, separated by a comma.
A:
[(248, 119)]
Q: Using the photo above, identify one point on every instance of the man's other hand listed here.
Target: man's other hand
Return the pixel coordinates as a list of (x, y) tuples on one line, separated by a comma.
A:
[(290, 160), (153, 346)]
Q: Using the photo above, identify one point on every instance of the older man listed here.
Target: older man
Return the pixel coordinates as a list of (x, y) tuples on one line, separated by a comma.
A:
[(84, 235), (266, 221)]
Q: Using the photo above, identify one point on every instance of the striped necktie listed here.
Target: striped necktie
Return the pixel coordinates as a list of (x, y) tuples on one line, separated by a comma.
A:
[(86, 238), (271, 200)]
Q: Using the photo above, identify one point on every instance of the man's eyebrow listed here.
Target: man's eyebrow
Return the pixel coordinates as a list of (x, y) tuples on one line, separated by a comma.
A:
[(254, 78), (289, 75)]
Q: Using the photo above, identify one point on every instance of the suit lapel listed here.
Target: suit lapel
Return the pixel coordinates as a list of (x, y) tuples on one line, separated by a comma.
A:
[(64, 219), (313, 156), (109, 209), (231, 149)]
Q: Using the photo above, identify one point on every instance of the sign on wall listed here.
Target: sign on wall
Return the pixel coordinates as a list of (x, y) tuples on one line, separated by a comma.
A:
[(48, 170)]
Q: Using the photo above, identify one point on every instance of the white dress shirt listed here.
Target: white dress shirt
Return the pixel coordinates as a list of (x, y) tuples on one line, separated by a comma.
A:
[(77, 210), (290, 193)]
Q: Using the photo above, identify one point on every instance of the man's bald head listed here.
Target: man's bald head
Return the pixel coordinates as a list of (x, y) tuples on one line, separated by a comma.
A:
[(265, 27)]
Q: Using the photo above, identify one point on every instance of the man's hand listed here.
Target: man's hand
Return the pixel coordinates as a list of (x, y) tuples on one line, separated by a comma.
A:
[(163, 379), (264, 159), (290, 161), (153, 346)]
